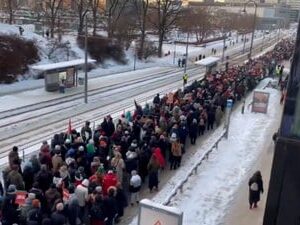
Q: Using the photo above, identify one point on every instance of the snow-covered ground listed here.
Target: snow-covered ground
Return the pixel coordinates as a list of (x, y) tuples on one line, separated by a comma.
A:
[(109, 67), (207, 194)]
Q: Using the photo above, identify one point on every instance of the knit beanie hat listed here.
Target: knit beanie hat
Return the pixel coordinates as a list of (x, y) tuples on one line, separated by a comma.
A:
[(36, 203)]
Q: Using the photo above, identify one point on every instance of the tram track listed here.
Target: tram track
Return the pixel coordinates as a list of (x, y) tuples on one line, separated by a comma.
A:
[(41, 132)]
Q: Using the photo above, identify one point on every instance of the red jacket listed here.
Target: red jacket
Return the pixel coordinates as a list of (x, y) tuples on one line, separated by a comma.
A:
[(109, 179), (159, 156)]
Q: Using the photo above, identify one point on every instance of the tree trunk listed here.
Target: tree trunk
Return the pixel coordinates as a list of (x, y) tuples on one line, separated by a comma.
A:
[(10, 10), (52, 25), (109, 26), (80, 25), (160, 43), (11, 17), (142, 43), (94, 23)]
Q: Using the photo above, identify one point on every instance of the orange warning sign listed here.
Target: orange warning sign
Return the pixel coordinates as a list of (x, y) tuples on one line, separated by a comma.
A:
[(158, 223)]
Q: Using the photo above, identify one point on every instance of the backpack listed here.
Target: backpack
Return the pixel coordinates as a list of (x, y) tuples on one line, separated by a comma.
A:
[(254, 186)]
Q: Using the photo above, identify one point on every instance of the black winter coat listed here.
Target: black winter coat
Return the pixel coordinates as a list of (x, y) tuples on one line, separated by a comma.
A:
[(58, 218), (193, 130), (110, 207)]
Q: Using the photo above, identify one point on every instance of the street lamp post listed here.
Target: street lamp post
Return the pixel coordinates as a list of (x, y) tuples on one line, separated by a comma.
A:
[(174, 55), (224, 44), (134, 60), (85, 63), (186, 51), (254, 24), (244, 44), (262, 43)]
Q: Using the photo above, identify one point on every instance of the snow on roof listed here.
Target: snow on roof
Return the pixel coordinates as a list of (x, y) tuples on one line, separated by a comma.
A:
[(207, 61), (60, 65)]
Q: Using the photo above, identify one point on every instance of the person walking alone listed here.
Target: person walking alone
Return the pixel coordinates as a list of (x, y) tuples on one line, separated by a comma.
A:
[(135, 186), (255, 188)]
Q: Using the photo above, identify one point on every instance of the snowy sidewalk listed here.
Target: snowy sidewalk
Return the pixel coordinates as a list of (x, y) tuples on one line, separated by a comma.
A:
[(208, 195), (239, 212)]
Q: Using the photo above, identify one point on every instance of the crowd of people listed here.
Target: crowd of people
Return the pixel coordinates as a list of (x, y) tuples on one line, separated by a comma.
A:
[(89, 177)]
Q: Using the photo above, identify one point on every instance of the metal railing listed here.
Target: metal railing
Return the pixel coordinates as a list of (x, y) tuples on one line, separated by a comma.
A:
[(193, 170)]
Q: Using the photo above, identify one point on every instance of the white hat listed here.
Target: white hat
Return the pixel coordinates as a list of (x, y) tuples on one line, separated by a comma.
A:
[(31, 196), (85, 182), (133, 172), (69, 160), (57, 147), (60, 206), (67, 141), (81, 148), (98, 189)]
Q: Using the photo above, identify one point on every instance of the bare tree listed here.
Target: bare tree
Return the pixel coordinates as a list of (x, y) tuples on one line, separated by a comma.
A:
[(95, 6), (163, 16), (141, 7), (113, 11), (198, 21), (10, 6), (82, 7), (51, 9), (125, 29)]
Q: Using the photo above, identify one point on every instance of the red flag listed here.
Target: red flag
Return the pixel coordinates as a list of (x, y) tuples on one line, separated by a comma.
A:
[(69, 127)]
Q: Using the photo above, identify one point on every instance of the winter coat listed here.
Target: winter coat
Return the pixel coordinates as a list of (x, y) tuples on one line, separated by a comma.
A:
[(193, 130), (45, 156), (13, 157), (153, 167), (9, 209), (58, 218), (255, 188), (119, 165), (51, 196), (182, 132), (131, 161), (44, 178), (73, 208), (110, 128), (86, 133), (160, 157), (97, 212), (109, 180), (135, 183), (82, 194), (14, 177), (110, 207), (34, 216), (121, 201), (57, 162), (143, 162), (176, 149), (28, 175)]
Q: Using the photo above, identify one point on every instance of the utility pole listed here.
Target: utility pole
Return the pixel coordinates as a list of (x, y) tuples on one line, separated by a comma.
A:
[(85, 63), (254, 24), (186, 51), (224, 44)]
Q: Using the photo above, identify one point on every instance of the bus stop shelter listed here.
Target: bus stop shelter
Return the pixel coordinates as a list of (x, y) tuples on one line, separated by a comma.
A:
[(210, 63), (61, 74)]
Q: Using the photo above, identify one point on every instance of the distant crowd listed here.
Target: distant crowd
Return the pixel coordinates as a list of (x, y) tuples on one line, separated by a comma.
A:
[(90, 176)]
